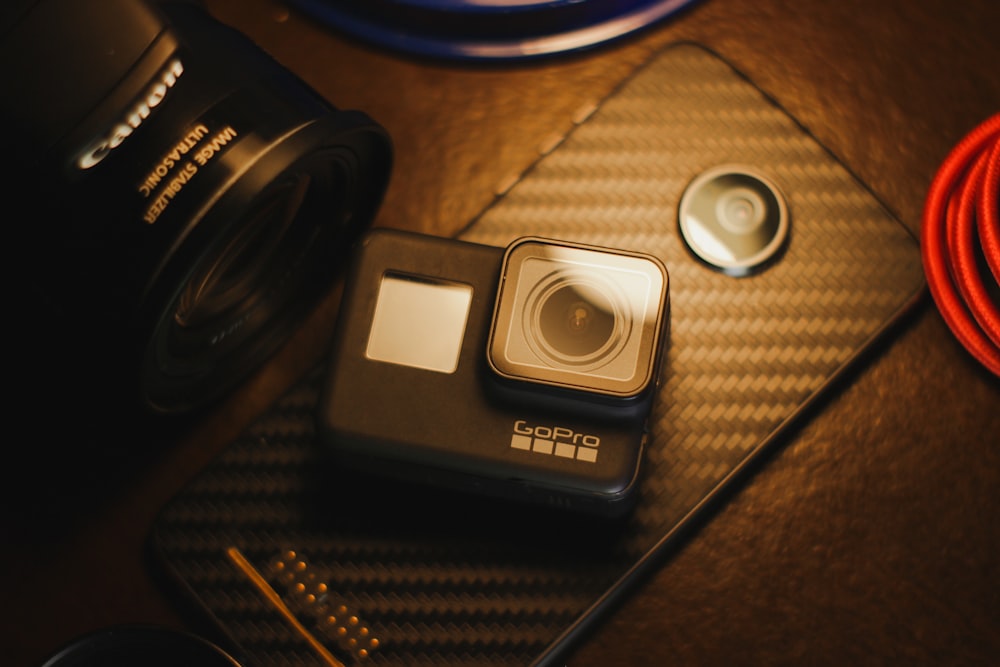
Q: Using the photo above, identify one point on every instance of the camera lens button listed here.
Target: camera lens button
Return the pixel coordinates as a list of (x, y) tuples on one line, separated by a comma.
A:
[(734, 219), (741, 210)]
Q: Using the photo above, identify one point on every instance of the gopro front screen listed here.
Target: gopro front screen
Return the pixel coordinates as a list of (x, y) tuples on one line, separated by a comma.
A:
[(419, 322)]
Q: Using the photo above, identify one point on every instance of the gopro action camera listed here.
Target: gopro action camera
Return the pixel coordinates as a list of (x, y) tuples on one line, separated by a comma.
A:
[(524, 373)]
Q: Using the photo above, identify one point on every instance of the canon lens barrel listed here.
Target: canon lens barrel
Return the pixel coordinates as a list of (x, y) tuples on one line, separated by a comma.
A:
[(186, 199)]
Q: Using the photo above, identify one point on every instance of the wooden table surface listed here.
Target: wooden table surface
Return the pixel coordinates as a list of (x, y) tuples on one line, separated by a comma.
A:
[(871, 537)]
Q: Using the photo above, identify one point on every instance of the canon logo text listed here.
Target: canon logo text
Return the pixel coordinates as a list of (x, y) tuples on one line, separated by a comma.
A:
[(133, 118)]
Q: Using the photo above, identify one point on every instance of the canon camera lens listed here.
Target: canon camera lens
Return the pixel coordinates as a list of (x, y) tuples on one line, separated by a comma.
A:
[(186, 200)]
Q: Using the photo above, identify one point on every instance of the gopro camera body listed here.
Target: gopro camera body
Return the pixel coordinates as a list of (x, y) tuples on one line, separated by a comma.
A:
[(523, 373)]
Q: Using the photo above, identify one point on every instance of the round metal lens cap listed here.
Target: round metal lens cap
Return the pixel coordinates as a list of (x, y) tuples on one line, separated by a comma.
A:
[(734, 218)]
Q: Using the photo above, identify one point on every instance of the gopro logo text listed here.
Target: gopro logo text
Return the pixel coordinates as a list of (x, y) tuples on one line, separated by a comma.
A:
[(555, 441)]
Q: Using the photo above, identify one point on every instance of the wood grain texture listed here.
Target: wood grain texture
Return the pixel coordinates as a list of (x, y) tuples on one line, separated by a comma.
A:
[(872, 537)]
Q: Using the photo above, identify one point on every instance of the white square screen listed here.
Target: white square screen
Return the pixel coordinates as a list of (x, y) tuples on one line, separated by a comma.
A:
[(419, 322)]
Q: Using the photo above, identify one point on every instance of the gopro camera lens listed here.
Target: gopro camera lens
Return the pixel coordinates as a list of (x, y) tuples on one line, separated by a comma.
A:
[(734, 219), (575, 320), (578, 317)]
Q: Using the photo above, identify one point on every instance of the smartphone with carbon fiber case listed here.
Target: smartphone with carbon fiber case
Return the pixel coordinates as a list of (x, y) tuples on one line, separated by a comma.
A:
[(784, 269)]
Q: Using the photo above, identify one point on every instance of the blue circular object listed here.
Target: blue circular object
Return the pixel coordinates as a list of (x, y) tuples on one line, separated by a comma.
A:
[(489, 29)]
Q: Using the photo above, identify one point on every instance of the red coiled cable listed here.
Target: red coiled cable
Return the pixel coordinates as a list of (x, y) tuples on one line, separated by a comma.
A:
[(962, 216)]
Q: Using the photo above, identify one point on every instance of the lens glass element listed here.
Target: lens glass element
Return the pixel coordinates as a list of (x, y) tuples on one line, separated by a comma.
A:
[(734, 219), (575, 319), (577, 316), (575, 325), (253, 283)]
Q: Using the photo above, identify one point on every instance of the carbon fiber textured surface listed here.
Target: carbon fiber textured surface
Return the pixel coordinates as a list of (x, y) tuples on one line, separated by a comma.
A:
[(439, 580)]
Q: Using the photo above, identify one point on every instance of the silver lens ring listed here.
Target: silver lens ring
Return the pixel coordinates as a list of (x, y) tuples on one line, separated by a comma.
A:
[(734, 218)]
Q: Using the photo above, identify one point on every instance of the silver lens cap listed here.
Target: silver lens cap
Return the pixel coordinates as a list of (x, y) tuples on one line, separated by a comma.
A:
[(733, 218)]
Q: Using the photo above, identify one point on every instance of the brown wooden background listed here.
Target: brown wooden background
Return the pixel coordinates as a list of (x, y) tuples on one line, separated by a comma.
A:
[(873, 537)]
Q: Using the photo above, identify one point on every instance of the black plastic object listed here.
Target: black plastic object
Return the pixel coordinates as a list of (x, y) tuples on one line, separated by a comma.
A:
[(483, 30), (149, 646), (533, 437), (190, 203), (444, 579)]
